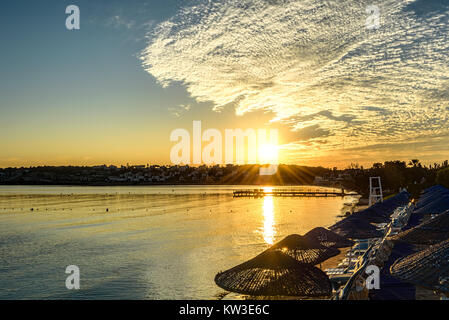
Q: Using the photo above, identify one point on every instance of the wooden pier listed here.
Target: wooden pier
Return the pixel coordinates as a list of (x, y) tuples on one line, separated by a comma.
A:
[(257, 193)]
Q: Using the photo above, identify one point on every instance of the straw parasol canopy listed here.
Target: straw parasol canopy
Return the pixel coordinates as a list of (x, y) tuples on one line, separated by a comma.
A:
[(428, 268), (430, 232), (305, 250), (274, 273), (328, 238), (356, 228), (439, 205), (431, 197), (371, 215)]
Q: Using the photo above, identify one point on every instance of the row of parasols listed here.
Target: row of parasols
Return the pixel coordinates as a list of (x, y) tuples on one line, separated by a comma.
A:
[(428, 264), (288, 267), (419, 254)]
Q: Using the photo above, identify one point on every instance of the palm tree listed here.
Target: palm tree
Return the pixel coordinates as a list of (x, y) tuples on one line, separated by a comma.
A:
[(414, 163)]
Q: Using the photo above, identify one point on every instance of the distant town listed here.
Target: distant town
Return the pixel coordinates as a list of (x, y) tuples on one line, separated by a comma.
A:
[(154, 174), (395, 175)]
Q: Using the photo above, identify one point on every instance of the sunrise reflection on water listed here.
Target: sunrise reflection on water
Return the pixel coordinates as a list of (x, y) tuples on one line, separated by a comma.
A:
[(155, 242), (269, 230)]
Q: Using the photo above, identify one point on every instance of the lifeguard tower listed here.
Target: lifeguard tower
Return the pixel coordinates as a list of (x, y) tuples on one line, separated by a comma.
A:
[(375, 190)]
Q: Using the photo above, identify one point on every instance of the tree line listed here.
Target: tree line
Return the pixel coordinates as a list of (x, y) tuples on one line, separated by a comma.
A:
[(412, 175)]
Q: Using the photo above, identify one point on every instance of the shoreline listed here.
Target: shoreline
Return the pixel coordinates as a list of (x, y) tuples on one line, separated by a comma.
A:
[(127, 184)]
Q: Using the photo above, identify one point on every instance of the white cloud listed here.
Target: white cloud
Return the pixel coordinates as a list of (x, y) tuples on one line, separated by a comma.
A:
[(177, 111), (315, 65), (120, 22)]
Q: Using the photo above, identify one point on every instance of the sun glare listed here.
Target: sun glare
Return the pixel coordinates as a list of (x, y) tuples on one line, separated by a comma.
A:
[(269, 223), (268, 154)]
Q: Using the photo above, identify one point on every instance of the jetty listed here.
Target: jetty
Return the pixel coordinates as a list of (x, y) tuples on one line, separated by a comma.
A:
[(291, 192)]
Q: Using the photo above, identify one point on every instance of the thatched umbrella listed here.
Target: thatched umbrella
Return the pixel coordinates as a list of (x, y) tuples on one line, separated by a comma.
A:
[(428, 268), (328, 238), (371, 215), (355, 228), (430, 232), (431, 197), (392, 288), (387, 207), (437, 206), (380, 212), (273, 273), (304, 250), (433, 189)]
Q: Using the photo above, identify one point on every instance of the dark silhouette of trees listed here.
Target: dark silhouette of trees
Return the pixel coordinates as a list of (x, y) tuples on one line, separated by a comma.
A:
[(443, 177), (394, 175), (411, 175), (414, 163)]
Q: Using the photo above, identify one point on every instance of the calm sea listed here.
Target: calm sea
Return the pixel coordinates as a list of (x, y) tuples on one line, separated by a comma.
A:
[(141, 242)]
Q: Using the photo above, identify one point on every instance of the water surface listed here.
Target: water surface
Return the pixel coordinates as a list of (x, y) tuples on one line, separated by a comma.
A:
[(140, 242)]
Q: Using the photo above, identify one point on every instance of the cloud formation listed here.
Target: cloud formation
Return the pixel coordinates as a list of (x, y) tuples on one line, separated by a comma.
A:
[(315, 65), (120, 22), (178, 110)]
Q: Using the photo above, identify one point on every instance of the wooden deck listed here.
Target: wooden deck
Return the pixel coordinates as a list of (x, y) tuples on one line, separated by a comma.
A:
[(257, 193)]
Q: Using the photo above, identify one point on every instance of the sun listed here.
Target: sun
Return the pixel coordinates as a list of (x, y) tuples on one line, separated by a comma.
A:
[(268, 154)]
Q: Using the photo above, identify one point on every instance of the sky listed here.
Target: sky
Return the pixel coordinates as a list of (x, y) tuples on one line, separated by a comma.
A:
[(339, 90)]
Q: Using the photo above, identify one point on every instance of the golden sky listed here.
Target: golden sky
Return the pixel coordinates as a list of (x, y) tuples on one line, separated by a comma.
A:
[(337, 91)]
